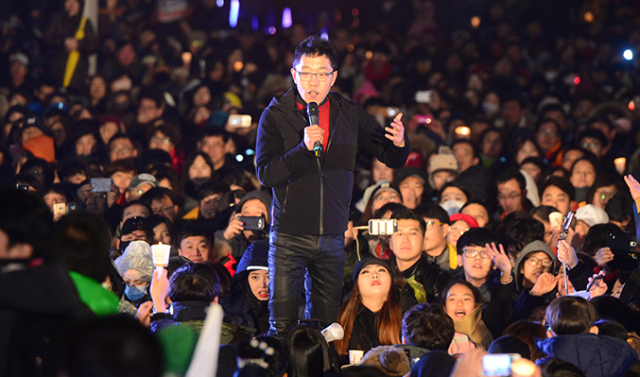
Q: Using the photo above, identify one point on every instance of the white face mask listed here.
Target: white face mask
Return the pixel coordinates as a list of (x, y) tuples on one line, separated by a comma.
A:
[(490, 108), (452, 206)]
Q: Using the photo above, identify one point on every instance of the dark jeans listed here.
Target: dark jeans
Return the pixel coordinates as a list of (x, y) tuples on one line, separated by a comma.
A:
[(313, 262)]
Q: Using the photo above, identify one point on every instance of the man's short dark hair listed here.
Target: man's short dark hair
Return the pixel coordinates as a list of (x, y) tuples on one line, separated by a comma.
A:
[(193, 229), (521, 232), (428, 326), (546, 109), (476, 151), (137, 203), (154, 94), (26, 219), (599, 119), (157, 193), (510, 174), (194, 282), (595, 134), (122, 135), (562, 183), (212, 131), (620, 207), (569, 315), (432, 211), (543, 212), (393, 207), (409, 214), (548, 120), (212, 187), (82, 241), (475, 237), (316, 46)]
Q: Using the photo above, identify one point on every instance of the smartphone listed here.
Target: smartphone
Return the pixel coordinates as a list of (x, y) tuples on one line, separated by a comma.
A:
[(72, 207), (382, 227), (101, 184), (498, 364), (253, 222), (239, 121), (424, 96), (22, 187), (59, 208), (625, 251), (568, 222)]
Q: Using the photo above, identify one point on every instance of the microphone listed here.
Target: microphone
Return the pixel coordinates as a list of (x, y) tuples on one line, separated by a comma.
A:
[(312, 111)]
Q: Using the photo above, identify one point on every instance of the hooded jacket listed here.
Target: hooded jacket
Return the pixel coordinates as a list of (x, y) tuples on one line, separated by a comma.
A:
[(531, 248), (312, 196), (595, 355)]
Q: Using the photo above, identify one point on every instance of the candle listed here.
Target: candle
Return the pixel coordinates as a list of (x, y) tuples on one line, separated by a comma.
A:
[(160, 254), (621, 164)]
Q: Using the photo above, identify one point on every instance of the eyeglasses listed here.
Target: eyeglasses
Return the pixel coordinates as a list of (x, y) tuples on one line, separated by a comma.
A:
[(534, 262), (430, 224), (158, 139), (321, 76), (512, 196), (469, 253), (589, 145), (133, 237)]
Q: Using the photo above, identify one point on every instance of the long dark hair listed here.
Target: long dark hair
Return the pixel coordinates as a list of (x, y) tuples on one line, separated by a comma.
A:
[(308, 353), (388, 319)]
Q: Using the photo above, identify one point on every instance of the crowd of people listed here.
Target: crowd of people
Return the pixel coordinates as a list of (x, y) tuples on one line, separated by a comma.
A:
[(496, 214)]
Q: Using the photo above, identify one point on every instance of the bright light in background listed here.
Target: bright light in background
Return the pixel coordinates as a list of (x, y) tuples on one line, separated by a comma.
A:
[(632, 105), (272, 30), (576, 80), (287, 21), (628, 54), (475, 22), (220, 3), (588, 17), (254, 23), (233, 13), (324, 35)]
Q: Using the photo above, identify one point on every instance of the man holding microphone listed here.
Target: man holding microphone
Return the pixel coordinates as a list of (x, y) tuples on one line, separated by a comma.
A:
[(306, 151)]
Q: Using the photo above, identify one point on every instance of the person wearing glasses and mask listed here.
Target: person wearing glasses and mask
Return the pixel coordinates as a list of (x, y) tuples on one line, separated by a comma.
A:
[(312, 189), (425, 277)]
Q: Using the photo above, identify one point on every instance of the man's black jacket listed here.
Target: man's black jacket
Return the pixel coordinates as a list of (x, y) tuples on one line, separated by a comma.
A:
[(312, 196)]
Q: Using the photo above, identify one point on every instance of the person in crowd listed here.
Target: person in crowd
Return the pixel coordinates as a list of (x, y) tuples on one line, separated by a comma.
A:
[(572, 334), (371, 314), (139, 185), (443, 168), (478, 211), (81, 242), (382, 194), (136, 268), (73, 38), (582, 175), (426, 327), (407, 244), (317, 201), (435, 245), (412, 183), (512, 193), (485, 265), (246, 303), (254, 206), (27, 265), (308, 353), (460, 224)]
